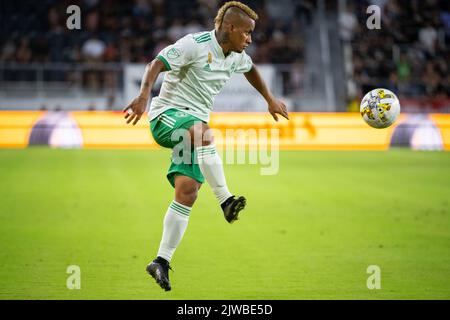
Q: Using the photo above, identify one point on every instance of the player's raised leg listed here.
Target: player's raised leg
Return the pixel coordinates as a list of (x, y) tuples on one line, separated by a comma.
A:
[(212, 169), (175, 224)]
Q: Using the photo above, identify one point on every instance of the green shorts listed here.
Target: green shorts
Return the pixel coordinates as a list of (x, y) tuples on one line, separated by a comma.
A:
[(164, 129)]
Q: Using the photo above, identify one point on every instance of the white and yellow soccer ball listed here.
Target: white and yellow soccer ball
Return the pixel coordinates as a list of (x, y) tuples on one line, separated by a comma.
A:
[(380, 108)]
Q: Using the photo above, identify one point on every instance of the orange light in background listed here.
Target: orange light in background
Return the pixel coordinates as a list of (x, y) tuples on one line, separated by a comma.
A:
[(304, 131)]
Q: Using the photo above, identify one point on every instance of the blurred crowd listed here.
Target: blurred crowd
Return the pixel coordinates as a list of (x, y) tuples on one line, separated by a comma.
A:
[(135, 31), (409, 54)]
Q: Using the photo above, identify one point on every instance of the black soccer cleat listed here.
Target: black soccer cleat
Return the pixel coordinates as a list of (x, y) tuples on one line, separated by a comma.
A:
[(159, 270), (231, 208)]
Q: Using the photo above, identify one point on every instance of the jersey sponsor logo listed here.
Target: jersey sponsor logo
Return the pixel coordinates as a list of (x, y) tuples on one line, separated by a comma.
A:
[(173, 53)]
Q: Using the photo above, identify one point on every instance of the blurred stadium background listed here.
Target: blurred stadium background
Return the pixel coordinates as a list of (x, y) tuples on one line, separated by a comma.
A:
[(319, 56), (337, 212), (310, 44)]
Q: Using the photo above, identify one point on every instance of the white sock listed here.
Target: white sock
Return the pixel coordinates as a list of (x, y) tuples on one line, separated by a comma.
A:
[(212, 169), (175, 223)]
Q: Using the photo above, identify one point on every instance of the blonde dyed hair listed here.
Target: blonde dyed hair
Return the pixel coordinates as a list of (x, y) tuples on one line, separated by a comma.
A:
[(227, 5)]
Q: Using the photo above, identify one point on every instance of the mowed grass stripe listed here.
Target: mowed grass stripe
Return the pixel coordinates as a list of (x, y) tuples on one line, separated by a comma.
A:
[(322, 219)]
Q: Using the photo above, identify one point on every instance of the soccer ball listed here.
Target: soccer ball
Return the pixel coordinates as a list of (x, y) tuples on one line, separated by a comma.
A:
[(380, 108)]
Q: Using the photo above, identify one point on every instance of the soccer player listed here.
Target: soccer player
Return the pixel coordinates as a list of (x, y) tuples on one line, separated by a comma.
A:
[(198, 66)]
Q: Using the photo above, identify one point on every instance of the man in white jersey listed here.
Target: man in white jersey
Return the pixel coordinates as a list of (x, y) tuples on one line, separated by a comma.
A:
[(198, 66)]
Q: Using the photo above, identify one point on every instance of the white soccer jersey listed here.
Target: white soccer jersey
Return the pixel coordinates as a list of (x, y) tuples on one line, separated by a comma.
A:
[(198, 70)]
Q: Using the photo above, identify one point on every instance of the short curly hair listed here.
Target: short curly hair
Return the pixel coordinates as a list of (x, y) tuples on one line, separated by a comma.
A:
[(219, 18)]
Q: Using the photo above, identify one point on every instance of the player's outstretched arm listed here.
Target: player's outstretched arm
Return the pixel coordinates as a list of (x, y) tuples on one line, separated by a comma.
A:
[(275, 106), (134, 111)]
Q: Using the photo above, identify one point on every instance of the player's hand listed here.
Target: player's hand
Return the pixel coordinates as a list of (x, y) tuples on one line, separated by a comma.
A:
[(277, 107), (133, 112)]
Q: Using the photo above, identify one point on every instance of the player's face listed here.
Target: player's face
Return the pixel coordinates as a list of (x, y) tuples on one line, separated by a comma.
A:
[(241, 35)]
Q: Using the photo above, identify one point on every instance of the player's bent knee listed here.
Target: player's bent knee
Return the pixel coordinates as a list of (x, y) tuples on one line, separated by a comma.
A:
[(201, 135), (186, 197), (186, 190)]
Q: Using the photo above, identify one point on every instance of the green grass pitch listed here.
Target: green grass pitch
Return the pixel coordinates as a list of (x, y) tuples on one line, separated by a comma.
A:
[(309, 232)]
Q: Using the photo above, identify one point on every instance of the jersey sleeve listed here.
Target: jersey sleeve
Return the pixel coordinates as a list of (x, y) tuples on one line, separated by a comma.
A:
[(245, 64), (179, 54)]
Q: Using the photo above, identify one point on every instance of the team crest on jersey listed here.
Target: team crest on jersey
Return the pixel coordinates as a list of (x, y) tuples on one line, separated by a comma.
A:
[(173, 53), (209, 57), (233, 67)]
